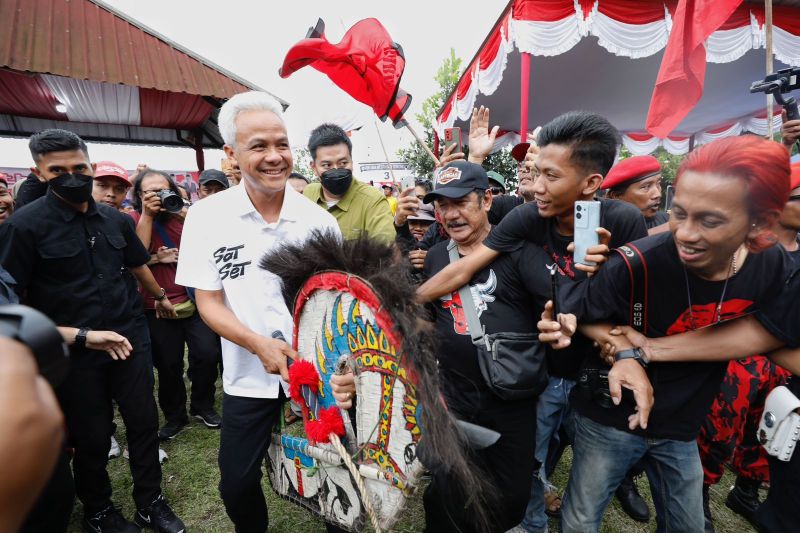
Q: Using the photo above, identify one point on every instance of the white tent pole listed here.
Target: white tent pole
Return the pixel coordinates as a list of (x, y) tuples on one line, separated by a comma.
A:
[(768, 31)]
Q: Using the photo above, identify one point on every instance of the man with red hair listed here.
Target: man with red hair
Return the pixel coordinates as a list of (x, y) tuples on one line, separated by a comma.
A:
[(709, 268)]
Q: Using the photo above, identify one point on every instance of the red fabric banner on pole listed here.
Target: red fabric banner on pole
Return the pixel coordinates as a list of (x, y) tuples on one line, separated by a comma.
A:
[(366, 64), (679, 85)]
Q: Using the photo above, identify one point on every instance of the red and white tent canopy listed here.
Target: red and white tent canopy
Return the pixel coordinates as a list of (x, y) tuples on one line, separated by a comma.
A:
[(604, 56)]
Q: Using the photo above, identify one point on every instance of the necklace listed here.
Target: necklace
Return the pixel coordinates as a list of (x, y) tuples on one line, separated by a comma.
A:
[(732, 270)]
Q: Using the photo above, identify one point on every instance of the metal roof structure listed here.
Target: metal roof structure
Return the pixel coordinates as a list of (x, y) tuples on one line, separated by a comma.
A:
[(84, 66)]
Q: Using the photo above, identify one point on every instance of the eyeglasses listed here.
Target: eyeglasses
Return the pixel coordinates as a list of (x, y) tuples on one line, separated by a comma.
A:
[(496, 190)]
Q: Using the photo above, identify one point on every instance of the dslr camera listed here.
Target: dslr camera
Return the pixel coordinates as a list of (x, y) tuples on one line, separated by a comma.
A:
[(593, 385), (33, 329), (170, 201)]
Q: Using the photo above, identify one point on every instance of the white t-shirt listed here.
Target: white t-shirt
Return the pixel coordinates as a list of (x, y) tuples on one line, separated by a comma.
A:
[(223, 240)]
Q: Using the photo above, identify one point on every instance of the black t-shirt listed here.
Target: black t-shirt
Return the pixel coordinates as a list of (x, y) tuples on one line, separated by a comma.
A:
[(509, 296), (779, 511), (656, 220), (70, 265), (503, 205), (524, 223), (782, 316), (683, 391)]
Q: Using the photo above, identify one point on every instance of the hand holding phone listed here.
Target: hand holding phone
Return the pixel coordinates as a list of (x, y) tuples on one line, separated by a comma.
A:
[(453, 136), (587, 220)]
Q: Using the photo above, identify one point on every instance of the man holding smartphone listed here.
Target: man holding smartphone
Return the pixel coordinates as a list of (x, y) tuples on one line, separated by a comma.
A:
[(708, 269), (576, 150)]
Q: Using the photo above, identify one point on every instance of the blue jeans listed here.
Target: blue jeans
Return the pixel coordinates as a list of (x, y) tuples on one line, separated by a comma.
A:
[(552, 409), (601, 457)]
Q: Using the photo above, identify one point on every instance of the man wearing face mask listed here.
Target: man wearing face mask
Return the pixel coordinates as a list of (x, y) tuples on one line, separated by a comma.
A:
[(358, 208), (67, 253)]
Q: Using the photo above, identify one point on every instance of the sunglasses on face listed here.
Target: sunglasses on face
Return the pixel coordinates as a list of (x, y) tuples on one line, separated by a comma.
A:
[(498, 190)]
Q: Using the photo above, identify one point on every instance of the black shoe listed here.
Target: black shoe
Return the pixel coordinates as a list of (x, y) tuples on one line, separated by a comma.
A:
[(743, 499), (159, 517), (171, 429), (709, 520), (631, 501), (109, 520), (209, 417)]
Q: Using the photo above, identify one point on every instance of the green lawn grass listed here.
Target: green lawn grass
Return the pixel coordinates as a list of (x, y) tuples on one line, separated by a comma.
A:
[(191, 476)]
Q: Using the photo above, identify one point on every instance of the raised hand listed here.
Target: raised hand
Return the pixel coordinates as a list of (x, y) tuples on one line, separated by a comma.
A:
[(481, 138)]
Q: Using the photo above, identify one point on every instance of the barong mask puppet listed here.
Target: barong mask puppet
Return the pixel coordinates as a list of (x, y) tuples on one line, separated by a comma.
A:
[(353, 305)]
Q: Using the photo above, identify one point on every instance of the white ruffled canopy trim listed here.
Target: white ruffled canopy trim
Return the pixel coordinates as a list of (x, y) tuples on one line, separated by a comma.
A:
[(489, 78), (623, 39), (680, 146)]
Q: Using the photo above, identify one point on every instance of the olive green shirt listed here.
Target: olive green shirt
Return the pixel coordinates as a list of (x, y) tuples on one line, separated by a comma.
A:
[(362, 209)]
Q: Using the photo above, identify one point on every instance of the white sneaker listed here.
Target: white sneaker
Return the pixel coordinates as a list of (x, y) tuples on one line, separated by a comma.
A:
[(162, 455), (113, 451)]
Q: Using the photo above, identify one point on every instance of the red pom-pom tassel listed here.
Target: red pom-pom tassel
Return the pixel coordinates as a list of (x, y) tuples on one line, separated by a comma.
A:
[(329, 421), (302, 373)]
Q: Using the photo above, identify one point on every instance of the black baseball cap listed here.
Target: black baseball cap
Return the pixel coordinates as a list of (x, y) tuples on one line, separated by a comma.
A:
[(212, 174), (457, 180)]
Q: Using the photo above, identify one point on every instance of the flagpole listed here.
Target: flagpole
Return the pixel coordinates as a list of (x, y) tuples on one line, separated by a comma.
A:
[(768, 31), (422, 143), (385, 154)]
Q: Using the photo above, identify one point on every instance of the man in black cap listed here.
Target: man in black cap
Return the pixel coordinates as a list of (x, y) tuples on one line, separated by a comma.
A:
[(212, 181), (507, 295)]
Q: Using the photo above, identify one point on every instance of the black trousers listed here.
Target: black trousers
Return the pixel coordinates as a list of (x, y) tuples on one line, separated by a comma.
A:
[(168, 337), (508, 467), (94, 380), (246, 433)]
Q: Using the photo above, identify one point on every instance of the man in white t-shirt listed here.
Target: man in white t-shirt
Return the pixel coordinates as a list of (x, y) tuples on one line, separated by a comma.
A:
[(224, 238)]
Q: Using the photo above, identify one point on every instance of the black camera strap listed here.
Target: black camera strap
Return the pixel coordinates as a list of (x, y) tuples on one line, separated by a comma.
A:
[(637, 268)]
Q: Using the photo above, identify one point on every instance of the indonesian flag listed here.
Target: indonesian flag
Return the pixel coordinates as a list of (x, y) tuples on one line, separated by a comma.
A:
[(679, 85), (366, 64)]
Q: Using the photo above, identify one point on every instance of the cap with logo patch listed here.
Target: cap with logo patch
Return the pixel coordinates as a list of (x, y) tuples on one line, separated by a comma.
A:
[(458, 179), (111, 169)]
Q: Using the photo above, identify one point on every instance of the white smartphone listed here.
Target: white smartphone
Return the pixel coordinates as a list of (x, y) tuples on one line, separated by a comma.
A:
[(406, 182), (587, 220)]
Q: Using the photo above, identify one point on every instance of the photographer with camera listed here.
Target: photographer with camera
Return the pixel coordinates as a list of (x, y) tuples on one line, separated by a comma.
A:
[(66, 254), (159, 224)]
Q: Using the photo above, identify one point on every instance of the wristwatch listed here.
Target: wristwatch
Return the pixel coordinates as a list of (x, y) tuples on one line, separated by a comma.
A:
[(80, 337), (633, 353), (162, 295)]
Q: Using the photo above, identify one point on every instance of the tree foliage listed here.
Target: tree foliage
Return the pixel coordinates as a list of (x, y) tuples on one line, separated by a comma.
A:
[(302, 163), (669, 163), (417, 158)]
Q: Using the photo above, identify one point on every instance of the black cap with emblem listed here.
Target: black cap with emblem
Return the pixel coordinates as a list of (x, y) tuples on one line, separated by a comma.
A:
[(458, 179)]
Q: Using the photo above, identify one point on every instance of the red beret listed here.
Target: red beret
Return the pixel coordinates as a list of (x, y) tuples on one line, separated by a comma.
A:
[(794, 180), (631, 170)]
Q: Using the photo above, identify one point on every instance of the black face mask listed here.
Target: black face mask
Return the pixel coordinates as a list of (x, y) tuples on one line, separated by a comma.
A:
[(337, 180), (75, 188)]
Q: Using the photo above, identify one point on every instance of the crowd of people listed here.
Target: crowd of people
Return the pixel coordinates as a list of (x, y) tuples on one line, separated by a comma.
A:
[(642, 357)]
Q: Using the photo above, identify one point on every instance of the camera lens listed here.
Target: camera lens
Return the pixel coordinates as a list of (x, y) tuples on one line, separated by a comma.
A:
[(171, 201), (577, 215), (579, 207)]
